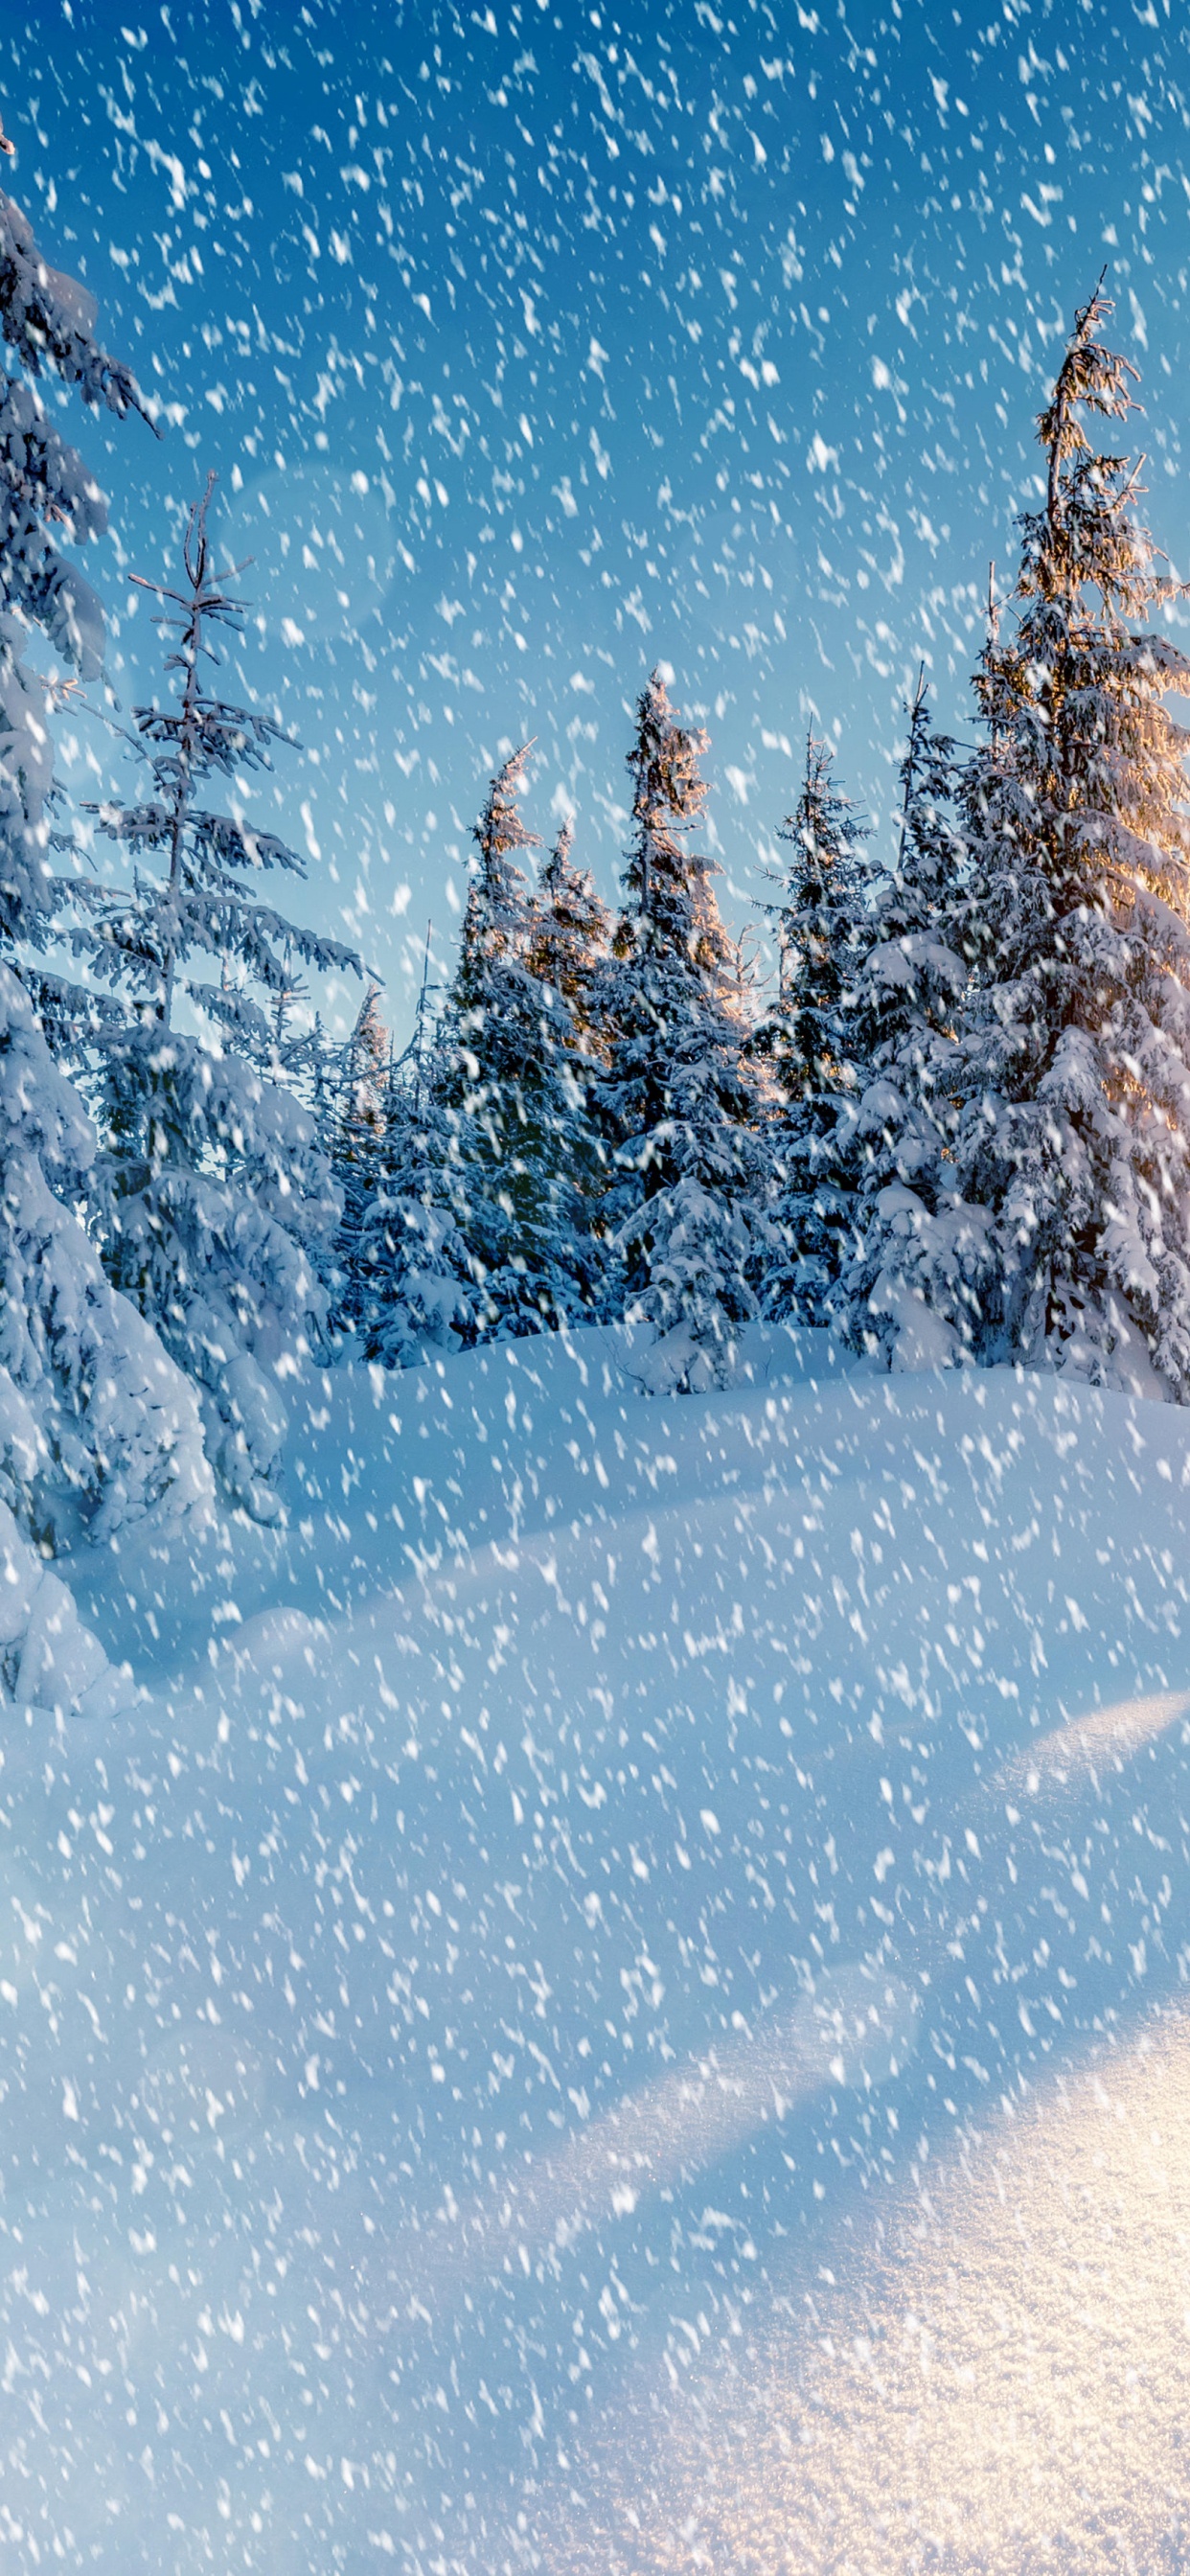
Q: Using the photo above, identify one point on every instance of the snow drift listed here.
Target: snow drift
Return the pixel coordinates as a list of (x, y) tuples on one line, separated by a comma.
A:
[(512, 2050)]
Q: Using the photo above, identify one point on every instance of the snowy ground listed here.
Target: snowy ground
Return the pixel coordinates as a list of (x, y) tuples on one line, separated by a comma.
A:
[(619, 2005)]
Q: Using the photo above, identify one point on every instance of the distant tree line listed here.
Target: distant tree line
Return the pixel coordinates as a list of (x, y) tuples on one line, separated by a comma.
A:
[(957, 1130), (954, 1127)]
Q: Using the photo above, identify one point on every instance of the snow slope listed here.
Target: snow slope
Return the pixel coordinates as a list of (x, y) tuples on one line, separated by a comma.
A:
[(617, 2003)]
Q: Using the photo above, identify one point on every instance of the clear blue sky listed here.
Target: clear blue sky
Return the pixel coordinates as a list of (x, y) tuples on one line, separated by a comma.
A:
[(703, 334)]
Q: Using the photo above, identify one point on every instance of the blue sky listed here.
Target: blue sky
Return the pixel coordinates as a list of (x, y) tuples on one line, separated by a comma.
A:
[(535, 344)]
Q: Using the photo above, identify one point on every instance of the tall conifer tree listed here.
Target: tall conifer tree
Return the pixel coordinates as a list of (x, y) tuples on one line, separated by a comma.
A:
[(811, 1042), (90, 1405), (924, 939), (568, 947), (213, 1203), (418, 1287), (512, 1098), (569, 935), (353, 1130), (1059, 1229), (679, 1100)]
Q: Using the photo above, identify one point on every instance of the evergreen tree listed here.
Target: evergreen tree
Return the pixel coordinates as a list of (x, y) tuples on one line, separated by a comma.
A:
[(811, 1043), (513, 1100), (418, 1287), (921, 936), (679, 1099), (212, 1201), (923, 942), (352, 1132), (569, 935), (276, 1036), (568, 948), (89, 1403), (365, 1079), (1060, 1229)]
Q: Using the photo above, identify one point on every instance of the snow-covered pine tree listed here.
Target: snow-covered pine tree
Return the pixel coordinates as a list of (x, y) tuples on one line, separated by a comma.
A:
[(568, 948), (417, 1288), (921, 936), (679, 1099), (923, 940), (278, 1036), (811, 1044), (212, 1202), (352, 1134), (1066, 1234), (569, 935), (366, 1060), (89, 1403), (512, 1100)]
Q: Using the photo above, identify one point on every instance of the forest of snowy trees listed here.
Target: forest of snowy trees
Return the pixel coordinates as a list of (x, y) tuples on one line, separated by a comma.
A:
[(952, 1127)]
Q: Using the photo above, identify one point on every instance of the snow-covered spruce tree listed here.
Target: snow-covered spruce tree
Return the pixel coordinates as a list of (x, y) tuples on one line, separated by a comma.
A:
[(1065, 1237), (276, 1035), (920, 938), (212, 1202), (515, 1110), (351, 1131), (923, 941), (569, 936), (812, 1045), (90, 1406), (416, 1285), (679, 1099), (568, 948)]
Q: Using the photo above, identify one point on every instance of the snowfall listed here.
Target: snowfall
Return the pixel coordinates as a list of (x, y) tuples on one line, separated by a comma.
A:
[(613, 1994)]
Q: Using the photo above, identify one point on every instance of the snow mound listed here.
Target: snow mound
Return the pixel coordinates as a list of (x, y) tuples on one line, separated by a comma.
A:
[(517, 2052), (50, 1662)]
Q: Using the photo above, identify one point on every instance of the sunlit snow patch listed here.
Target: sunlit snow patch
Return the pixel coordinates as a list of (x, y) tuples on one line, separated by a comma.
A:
[(1085, 1745), (1001, 2390)]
